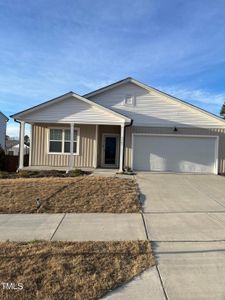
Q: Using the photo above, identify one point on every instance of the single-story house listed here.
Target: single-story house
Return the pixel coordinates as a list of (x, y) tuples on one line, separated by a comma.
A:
[(14, 149), (125, 124), (3, 123), (9, 143)]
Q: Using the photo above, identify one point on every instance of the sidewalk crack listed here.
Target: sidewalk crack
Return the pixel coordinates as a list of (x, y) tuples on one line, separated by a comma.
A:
[(160, 278), (58, 226)]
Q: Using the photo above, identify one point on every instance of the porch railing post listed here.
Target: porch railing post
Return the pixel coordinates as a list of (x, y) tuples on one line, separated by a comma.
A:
[(30, 149), (95, 159), (121, 147), (71, 145), (22, 133)]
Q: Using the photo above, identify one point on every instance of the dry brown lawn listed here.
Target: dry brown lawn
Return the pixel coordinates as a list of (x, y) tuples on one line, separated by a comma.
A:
[(69, 195), (70, 270)]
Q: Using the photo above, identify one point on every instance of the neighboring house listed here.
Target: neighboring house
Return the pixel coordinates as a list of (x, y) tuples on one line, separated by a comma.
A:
[(3, 122), (125, 124), (13, 148), (9, 143)]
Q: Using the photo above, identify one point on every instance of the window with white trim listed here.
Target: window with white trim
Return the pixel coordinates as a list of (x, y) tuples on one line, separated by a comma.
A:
[(59, 141)]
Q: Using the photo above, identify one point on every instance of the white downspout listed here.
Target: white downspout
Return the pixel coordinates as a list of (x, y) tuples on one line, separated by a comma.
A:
[(22, 133)]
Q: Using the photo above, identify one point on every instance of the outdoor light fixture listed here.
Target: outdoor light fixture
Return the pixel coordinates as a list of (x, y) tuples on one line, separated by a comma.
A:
[(175, 129)]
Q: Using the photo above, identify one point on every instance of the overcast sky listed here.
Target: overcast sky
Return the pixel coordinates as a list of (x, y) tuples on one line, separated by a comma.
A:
[(48, 48)]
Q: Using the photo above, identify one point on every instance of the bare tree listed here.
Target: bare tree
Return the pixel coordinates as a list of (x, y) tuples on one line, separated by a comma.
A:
[(222, 111)]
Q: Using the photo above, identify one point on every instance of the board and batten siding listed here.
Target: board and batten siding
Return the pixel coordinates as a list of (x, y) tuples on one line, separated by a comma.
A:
[(181, 131), (40, 156), (151, 108), (105, 129)]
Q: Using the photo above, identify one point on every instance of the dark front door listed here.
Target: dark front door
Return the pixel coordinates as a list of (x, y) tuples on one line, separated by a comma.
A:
[(110, 150)]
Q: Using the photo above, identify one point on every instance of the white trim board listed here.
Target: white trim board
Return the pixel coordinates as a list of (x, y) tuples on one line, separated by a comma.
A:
[(216, 165), (19, 115), (155, 91), (63, 140), (52, 122)]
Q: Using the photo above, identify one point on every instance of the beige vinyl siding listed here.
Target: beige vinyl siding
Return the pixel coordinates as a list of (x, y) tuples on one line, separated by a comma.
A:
[(72, 110), (40, 156), (154, 109), (101, 130), (181, 131)]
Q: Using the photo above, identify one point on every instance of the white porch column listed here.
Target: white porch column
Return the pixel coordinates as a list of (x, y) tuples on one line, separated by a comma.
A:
[(30, 149), (22, 133), (95, 158), (121, 147), (71, 145)]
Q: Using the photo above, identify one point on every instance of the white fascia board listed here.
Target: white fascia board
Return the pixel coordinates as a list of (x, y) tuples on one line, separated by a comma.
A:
[(178, 125), (18, 115), (182, 102), (102, 108), (76, 122), (107, 88), (22, 115), (156, 91)]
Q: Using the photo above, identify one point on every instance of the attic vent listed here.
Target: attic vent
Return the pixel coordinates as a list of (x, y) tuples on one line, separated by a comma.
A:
[(129, 100)]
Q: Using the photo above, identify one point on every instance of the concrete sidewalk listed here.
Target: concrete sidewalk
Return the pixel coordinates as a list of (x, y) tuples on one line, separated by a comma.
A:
[(192, 270), (27, 227), (87, 227), (146, 286), (72, 227), (185, 219)]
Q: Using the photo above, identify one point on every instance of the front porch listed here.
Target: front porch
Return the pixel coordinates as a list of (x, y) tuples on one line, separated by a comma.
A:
[(52, 146), (71, 131)]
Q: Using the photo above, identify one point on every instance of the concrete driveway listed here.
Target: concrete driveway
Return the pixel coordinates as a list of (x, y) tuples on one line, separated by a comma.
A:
[(182, 193), (185, 219)]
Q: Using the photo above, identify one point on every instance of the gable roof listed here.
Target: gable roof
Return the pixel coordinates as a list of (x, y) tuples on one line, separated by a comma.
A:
[(6, 118), (151, 89), (66, 96), (10, 143)]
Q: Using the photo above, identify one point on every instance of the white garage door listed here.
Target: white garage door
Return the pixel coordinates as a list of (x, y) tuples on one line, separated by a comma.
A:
[(165, 153)]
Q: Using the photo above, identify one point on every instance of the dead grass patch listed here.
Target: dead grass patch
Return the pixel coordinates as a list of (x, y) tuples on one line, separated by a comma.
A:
[(70, 270), (69, 195)]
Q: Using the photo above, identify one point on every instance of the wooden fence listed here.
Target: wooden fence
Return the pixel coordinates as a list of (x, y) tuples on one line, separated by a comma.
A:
[(12, 162)]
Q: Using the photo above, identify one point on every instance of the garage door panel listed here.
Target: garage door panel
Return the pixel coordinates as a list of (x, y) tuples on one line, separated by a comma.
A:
[(174, 153)]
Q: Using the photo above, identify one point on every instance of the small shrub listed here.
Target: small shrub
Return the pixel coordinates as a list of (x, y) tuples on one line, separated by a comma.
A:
[(75, 173), (51, 173), (3, 175), (35, 241), (27, 174), (127, 170)]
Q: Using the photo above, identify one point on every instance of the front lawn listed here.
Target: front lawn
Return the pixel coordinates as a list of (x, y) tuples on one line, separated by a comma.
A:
[(83, 194), (70, 270)]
